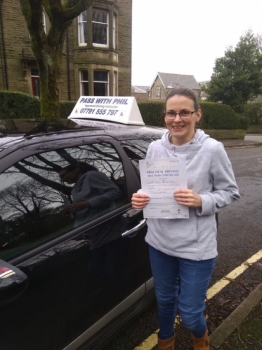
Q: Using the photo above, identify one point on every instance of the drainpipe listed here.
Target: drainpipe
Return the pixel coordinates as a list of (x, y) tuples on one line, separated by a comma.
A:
[(67, 66), (5, 78)]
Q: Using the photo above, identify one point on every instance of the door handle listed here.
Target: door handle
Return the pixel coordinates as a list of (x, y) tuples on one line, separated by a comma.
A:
[(135, 229)]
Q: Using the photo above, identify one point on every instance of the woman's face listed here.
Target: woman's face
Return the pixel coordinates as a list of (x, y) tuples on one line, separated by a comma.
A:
[(70, 176), (182, 130)]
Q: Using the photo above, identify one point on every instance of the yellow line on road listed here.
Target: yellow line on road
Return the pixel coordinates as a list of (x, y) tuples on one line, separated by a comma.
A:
[(151, 341), (217, 287)]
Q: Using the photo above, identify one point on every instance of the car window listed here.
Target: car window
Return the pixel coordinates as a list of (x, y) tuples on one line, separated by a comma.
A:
[(48, 194), (136, 150)]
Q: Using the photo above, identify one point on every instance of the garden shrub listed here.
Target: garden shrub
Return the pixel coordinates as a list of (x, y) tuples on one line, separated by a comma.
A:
[(253, 111), (151, 112), (18, 105), (214, 115), (66, 108), (221, 116)]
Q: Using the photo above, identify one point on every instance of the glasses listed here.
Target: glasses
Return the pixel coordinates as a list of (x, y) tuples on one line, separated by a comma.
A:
[(184, 114)]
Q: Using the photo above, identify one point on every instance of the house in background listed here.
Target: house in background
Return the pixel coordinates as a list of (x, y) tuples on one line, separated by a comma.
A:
[(203, 94), (96, 53), (140, 92), (164, 82)]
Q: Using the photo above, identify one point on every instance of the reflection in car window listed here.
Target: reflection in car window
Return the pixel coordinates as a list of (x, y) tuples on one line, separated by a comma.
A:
[(136, 150), (33, 196)]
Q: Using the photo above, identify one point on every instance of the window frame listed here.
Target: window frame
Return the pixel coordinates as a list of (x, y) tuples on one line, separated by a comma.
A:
[(82, 27), (106, 83), (44, 21), (107, 24), (35, 79), (158, 92), (61, 142), (81, 82), (114, 31), (115, 85)]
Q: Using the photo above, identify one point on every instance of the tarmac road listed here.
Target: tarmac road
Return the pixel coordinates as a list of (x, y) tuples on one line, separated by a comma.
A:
[(240, 224), (239, 237), (253, 137)]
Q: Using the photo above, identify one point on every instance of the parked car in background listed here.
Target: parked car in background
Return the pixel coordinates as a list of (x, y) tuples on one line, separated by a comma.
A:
[(65, 285)]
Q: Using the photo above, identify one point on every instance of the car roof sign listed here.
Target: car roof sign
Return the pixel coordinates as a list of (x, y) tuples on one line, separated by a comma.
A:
[(118, 109)]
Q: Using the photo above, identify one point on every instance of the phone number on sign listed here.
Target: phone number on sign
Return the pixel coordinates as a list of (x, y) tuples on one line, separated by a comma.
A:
[(98, 111)]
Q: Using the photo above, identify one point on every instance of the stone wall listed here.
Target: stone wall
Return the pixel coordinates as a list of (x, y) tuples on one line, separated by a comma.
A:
[(20, 59), (124, 46), (157, 91), (17, 45)]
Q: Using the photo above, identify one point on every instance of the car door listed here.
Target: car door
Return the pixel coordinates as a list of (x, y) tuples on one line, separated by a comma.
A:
[(78, 274)]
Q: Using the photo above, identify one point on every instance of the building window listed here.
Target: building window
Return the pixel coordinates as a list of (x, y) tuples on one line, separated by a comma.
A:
[(100, 27), (158, 95), (35, 82), (82, 29), (114, 31), (44, 22), (84, 88), (100, 83)]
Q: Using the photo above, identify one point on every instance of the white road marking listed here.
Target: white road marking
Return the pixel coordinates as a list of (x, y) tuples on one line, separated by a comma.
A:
[(151, 341)]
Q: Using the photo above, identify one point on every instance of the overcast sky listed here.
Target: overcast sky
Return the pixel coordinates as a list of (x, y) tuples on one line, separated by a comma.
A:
[(186, 36)]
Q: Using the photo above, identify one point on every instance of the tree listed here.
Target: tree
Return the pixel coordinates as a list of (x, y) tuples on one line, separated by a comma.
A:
[(48, 47), (237, 76), (259, 41)]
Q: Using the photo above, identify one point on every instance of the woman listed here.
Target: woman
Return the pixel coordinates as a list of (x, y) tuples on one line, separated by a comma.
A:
[(182, 251), (92, 192)]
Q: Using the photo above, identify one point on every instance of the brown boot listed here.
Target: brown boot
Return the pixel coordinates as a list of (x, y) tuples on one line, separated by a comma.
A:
[(166, 344), (201, 343)]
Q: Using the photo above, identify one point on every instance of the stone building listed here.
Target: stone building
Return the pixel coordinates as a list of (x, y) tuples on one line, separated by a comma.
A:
[(96, 53), (140, 92), (164, 82)]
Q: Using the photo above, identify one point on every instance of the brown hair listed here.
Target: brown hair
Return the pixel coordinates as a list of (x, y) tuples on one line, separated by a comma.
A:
[(183, 92)]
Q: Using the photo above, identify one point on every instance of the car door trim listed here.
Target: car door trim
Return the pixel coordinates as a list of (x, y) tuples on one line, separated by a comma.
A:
[(117, 311)]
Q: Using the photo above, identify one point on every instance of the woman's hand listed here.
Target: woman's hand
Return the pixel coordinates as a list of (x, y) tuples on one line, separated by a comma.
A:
[(139, 200), (75, 207), (188, 198)]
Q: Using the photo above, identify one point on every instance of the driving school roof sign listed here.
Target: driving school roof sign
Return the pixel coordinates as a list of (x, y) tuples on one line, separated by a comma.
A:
[(116, 109)]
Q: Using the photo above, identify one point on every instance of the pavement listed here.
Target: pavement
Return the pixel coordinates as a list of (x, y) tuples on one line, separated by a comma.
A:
[(227, 327), (247, 142)]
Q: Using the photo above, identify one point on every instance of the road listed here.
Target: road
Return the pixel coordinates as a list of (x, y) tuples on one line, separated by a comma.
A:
[(253, 137), (239, 238)]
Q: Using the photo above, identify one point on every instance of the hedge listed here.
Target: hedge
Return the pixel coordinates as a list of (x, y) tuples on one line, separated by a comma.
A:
[(18, 105), (215, 115), (151, 112), (253, 111), (66, 108)]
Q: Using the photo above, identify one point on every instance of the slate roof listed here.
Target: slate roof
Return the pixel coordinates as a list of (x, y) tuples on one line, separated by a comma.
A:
[(140, 89), (170, 81)]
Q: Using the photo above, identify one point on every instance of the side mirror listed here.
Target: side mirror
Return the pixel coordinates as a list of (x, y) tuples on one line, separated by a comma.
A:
[(13, 282)]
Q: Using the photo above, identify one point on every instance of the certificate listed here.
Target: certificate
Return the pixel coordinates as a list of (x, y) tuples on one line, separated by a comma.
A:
[(160, 178)]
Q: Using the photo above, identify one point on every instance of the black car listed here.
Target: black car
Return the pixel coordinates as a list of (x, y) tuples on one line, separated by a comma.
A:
[(65, 285)]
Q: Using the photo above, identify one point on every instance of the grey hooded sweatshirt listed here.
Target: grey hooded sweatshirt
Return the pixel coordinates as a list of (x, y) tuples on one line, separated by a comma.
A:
[(210, 174)]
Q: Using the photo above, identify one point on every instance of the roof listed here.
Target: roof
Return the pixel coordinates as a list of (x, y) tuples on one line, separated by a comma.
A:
[(204, 83), (140, 89), (170, 81), (48, 139)]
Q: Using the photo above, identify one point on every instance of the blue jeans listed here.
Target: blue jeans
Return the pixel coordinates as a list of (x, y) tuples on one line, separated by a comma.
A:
[(180, 283)]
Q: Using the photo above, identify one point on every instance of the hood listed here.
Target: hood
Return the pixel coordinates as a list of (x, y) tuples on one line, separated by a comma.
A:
[(189, 149)]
